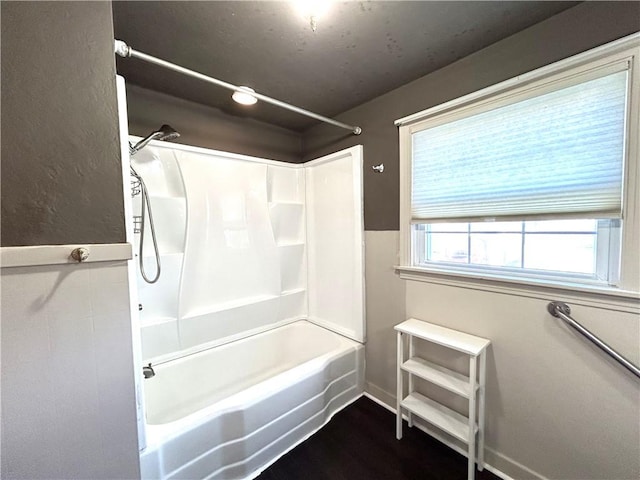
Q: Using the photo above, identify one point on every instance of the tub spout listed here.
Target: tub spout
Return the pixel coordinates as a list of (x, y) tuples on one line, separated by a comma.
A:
[(148, 371)]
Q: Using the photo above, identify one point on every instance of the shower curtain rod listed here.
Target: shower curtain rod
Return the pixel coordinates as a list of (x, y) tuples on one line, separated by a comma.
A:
[(124, 50)]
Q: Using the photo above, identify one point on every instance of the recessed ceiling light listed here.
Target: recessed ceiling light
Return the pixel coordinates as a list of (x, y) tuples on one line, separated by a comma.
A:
[(245, 97)]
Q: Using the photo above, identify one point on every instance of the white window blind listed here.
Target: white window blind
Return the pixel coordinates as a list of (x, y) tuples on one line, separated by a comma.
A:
[(553, 155)]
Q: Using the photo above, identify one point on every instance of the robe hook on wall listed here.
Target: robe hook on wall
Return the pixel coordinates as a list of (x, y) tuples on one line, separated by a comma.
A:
[(379, 168)]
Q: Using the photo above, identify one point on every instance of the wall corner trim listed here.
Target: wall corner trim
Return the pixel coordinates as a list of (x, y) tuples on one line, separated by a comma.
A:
[(30, 256)]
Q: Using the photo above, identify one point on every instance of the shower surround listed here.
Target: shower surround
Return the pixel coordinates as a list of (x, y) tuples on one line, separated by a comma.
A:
[(262, 279)]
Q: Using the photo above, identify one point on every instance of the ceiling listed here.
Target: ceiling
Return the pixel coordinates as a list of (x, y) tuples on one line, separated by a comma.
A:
[(359, 50)]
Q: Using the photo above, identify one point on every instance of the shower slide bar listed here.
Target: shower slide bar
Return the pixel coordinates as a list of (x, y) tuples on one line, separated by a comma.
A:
[(124, 50), (562, 311)]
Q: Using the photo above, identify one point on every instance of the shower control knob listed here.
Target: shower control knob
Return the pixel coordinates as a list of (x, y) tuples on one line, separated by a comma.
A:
[(80, 254)]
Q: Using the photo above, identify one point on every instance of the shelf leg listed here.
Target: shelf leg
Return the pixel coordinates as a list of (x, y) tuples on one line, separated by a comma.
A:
[(412, 346), (481, 393), (399, 386), (472, 418)]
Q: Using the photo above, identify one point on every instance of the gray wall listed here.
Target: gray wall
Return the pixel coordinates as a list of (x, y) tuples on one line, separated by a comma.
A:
[(68, 394), (209, 127), (573, 31), (61, 173), (556, 407)]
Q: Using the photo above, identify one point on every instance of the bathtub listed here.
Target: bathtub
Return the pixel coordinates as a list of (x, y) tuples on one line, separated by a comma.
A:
[(231, 411)]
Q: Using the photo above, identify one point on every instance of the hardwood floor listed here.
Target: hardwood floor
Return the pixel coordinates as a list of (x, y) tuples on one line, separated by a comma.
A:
[(359, 443)]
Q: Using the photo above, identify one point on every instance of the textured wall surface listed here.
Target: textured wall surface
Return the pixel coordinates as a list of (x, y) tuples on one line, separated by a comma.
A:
[(543, 379), (61, 173), (68, 403), (207, 127), (573, 31)]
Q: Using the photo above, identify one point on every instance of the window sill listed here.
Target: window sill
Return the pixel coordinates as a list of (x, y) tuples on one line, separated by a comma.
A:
[(590, 295)]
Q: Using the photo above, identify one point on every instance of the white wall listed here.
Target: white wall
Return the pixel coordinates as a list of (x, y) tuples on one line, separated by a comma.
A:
[(68, 402), (557, 407)]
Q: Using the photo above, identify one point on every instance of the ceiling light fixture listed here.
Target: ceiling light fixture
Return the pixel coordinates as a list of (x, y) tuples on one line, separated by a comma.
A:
[(312, 10), (245, 97)]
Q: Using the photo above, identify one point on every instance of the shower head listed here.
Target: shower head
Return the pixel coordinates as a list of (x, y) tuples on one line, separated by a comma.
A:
[(165, 132)]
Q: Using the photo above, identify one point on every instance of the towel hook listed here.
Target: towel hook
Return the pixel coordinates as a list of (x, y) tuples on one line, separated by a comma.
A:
[(80, 254)]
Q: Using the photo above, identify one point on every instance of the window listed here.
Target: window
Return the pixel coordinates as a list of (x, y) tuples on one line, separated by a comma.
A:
[(532, 178), (572, 248)]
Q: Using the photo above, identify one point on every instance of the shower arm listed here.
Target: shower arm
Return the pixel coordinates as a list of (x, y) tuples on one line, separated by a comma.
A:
[(124, 50)]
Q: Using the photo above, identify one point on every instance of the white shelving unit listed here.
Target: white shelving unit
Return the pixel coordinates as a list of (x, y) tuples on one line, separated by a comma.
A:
[(467, 429)]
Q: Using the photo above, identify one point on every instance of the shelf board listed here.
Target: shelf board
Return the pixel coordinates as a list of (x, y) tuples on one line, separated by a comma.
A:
[(438, 375), (228, 305), (291, 243), (463, 342), (438, 415), (292, 291)]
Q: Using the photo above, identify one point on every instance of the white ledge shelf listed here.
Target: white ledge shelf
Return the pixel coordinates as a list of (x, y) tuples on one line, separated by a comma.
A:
[(460, 341), (438, 415), (229, 305), (290, 243), (37, 255), (439, 375), (591, 295), (292, 291)]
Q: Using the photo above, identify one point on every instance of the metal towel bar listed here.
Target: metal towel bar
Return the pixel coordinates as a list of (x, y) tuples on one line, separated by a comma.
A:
[(562, 310)]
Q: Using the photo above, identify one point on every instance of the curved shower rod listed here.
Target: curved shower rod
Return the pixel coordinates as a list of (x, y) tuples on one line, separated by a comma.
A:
[(124, 50)]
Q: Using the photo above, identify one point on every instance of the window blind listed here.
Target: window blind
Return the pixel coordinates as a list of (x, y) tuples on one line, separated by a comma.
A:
[(553, 155)]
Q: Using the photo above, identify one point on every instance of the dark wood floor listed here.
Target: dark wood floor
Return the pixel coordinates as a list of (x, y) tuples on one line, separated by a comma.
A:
[(359, 443)]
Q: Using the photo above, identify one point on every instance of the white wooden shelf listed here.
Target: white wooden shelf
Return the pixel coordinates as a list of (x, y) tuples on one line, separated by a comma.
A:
[(439, 375), (454, 339), (468, 430), (437, 414)]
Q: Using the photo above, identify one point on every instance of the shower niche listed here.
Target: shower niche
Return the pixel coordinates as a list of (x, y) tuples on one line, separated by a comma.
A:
[(246, 245)]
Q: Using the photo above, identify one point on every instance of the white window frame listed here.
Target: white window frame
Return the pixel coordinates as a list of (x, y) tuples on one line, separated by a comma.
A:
[(576, 69)]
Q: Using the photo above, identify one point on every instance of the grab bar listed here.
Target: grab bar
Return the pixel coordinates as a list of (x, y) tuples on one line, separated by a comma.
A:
[(562, 311)]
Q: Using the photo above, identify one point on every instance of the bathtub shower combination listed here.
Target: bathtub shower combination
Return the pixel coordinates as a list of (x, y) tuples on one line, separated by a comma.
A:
[(254, 328)]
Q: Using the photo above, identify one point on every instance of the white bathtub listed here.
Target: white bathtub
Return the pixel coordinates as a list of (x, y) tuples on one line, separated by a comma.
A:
[(229, 412)]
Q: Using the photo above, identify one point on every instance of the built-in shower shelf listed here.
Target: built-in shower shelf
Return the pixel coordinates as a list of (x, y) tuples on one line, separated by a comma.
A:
[(292, 291), (230, 305), (287, 220), (292, 243)]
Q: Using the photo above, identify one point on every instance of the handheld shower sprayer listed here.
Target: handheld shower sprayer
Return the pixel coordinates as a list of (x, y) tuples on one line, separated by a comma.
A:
[(164, 133)]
